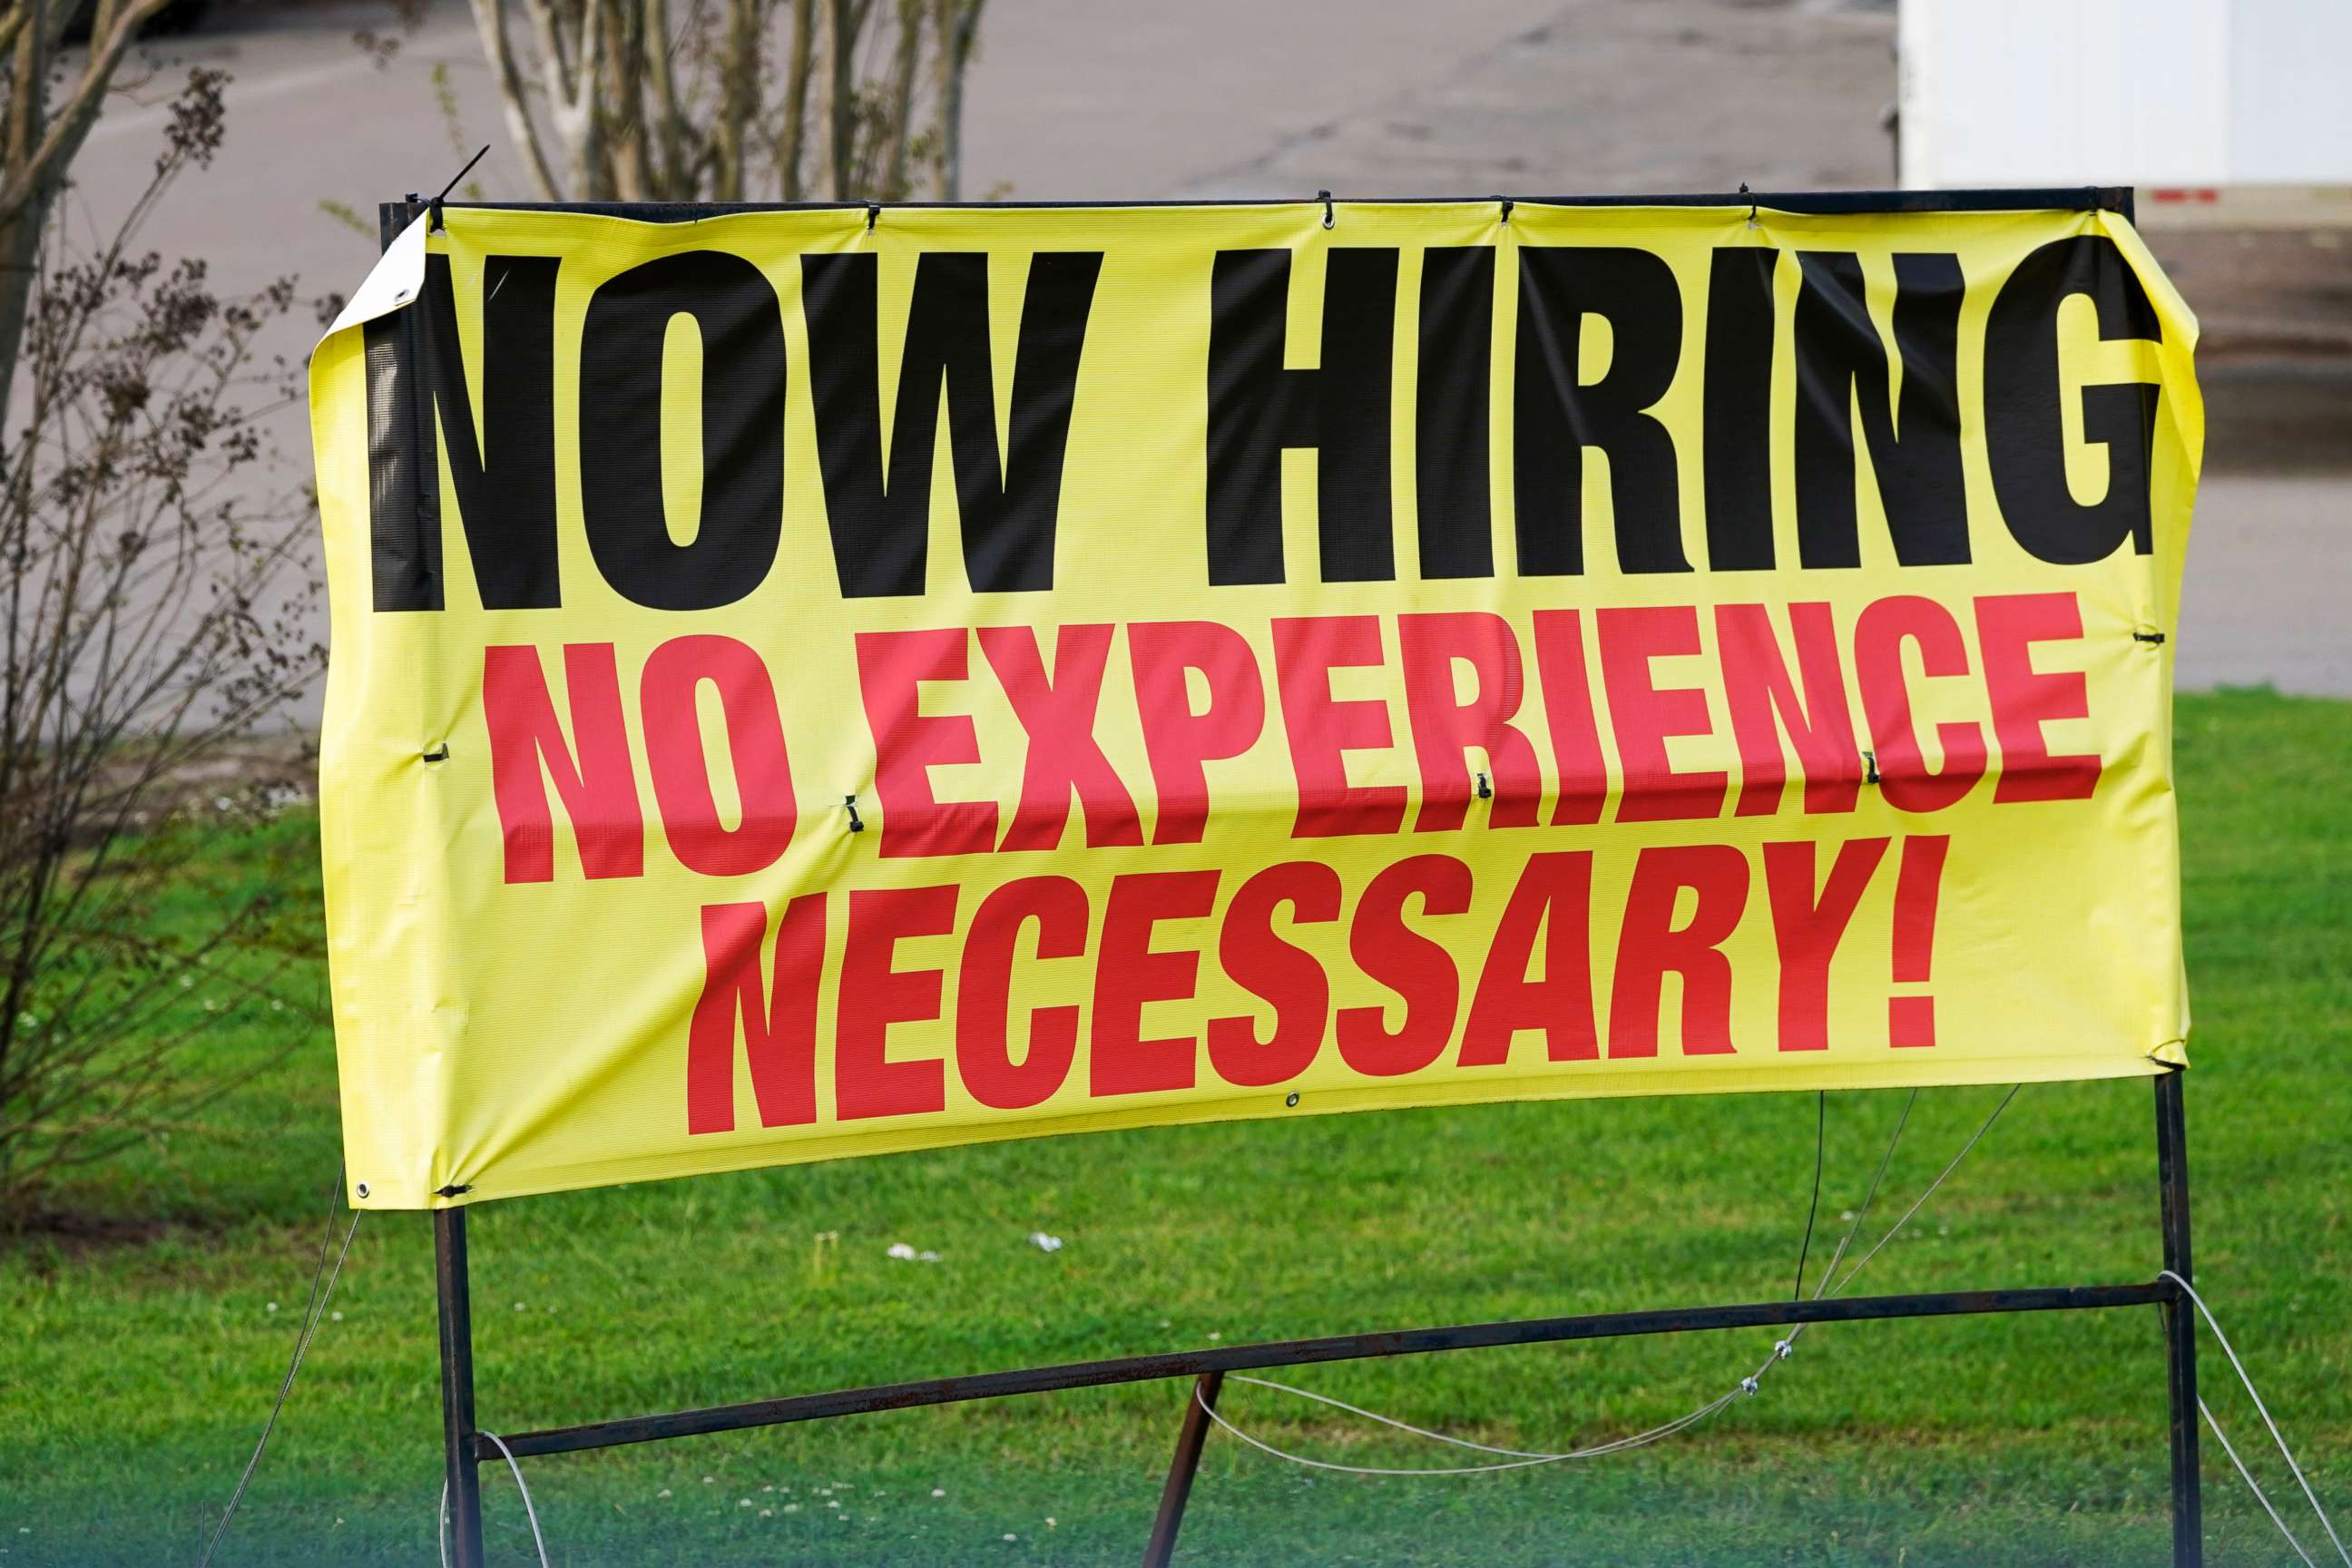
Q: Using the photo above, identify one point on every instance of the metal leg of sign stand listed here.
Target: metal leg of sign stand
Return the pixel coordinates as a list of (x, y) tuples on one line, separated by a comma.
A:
[(467, 1447), (1181, 1470), (2180, 1324), (463, 1478)]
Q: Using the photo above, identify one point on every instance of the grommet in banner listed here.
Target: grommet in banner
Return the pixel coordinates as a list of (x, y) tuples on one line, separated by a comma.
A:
[(1328, 217), (849, 803), (1485, 790), (872, 216), (1508, 204), (1870, 767), (2147, 635), (1290, 1099), (361, 1189), (439, 754)]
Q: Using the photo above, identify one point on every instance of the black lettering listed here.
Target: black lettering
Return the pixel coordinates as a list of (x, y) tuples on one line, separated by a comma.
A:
[(1556, 419), (742, 323), (1915, 448), (1008, 503), (1457, 331), (503, 472), (2023, 421), (1737, 408), (1256, 408)]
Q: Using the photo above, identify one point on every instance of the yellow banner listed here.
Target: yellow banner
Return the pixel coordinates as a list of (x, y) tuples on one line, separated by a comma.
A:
[(827, 682)]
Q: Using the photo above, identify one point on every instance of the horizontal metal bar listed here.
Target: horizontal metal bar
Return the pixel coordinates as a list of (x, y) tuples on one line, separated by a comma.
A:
[(1305, 1352), (2062, 198)]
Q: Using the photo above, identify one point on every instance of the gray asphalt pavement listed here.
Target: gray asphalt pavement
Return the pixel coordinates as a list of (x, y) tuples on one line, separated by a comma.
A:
[(1091, 99)]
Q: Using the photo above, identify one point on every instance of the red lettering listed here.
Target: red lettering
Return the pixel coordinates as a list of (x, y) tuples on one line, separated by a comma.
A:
[(908, 743), (1284, 976), (1323, 729), (1645, 715), (1808, 929), (1059, 717), (599, 790), (1129, 974), (1878, 638), (1763, 699), (1445, 728), (1650, 945), (779, 1044), (1178, 741), (681, 768), (1567, 711), (877, 993), (984, 988), (1409, 964), (2025, 698), (1554, 896)]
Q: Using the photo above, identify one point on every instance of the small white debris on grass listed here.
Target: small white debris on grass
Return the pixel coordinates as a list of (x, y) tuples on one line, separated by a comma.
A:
[(902, 1252), (938, 1492), (1009, 1536), (767, 1514), (708, 1480), (270, 1307), (928, 1256), (791, 1508), (1044, 1243)]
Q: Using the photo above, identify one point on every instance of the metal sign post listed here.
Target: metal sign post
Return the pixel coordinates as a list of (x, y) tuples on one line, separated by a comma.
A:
[(468, 1447)]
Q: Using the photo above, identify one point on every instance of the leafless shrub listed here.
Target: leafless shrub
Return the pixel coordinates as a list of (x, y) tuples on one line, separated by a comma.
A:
[(152, 609), (732, 100)]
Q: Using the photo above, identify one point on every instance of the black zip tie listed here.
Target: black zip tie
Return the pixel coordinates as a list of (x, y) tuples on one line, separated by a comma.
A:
[(1870, 767), (2147, 637), (453, 1190), (439, 754), (855, 825), (437, 225), (1325, 197), (873, 214), (1508, 204), (1751, 203), (1485, 791)]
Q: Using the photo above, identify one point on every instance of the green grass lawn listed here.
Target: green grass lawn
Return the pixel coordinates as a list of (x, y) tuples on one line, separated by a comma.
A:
[(135, 1373)]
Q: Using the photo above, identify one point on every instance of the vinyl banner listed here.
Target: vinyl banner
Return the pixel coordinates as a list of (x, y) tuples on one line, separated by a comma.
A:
[(823, 682)]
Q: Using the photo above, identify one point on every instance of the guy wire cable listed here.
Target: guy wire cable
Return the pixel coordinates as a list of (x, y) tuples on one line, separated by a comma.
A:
[(314, 1312), (1516, 1458)]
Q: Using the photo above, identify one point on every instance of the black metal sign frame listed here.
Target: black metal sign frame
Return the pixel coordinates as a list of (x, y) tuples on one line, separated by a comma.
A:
[(466, 1446)]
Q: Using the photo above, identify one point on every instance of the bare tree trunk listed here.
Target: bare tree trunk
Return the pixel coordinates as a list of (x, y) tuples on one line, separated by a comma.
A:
[(959, 27), (738, 90), (903, 61), (790, 142), (490, 21), (37, 147), (840, 103)]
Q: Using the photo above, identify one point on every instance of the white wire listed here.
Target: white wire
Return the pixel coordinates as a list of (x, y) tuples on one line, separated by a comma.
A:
[(2239, 1367), (2255, 1487), (529, 1512), (1517, 1459), (314, 1312)]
